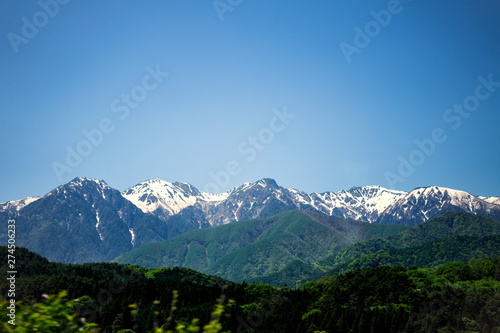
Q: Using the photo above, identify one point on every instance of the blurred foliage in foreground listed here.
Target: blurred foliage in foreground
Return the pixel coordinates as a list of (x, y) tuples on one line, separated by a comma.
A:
[(54, 314)]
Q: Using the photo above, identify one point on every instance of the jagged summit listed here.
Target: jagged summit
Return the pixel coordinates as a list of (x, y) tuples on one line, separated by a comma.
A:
[(85, 180), (187, 205), (424, 203), (89, 215), (370, 203)]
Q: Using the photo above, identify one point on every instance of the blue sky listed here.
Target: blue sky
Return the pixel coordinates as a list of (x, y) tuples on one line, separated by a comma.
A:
[(350, 118)]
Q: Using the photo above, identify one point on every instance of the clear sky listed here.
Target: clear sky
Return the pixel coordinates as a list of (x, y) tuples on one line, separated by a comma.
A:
[(319, 95)]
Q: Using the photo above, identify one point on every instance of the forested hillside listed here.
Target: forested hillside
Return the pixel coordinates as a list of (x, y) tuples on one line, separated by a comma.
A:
[(456, 297), (246, 249), (449, 237)]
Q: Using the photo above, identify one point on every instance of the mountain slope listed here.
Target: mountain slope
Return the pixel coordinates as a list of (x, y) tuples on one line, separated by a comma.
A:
[(96, 222), (426, 203), (493, 200), (364, 203), (15, 206), (256, 200), (447, 225), (165, 199), (429, 255), (449, 237), (83, 221), (245, 249), (191, 208)]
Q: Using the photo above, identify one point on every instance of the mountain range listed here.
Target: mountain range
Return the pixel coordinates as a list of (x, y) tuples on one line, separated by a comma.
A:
[(265, 197), (83, 221), (87, 220)]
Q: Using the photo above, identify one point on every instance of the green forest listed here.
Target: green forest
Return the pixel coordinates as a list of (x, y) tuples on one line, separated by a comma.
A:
[(447, 238), (243, 250), (110, 297)]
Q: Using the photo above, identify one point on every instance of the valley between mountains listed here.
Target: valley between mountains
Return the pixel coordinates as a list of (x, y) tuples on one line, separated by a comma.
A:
[(366, 259), (257, 231), (86, 220)]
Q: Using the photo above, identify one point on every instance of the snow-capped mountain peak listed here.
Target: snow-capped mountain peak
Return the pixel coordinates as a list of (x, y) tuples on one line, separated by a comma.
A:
[(82, 181), (261, 198), (424, 203), (17, 205), (155, 194), (96, 214), (455, 197), (94, 217), (262, 183), (84, 186), (493, 200), (362, 203), (166, 199), (367, 203)]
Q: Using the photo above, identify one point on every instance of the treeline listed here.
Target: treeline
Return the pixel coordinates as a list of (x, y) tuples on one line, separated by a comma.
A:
[(456, 297)]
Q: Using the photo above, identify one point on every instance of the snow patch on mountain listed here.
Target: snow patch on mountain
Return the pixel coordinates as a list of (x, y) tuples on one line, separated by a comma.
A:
[(362, 203), (156, 194), (429, 195), (425, 203), (97, 224), (249, 200), (81, 181), (17, 205), (131, 230), (194, 208), (493, 200)]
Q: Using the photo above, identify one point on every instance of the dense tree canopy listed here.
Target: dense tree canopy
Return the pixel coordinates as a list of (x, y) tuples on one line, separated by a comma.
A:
[(455, 297)]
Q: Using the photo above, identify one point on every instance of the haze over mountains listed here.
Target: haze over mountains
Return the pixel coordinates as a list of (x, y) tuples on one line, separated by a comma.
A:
[(87, 220)]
